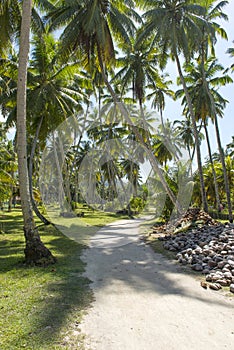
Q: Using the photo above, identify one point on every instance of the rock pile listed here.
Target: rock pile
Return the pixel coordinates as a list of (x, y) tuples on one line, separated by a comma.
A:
[(209, 249), (194, 217)]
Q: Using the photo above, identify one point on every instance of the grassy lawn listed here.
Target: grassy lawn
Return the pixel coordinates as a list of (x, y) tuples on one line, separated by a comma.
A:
[(41, 308), (81, 229)]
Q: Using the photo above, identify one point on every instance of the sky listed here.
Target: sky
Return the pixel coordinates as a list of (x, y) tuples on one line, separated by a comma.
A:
[(173, 109)]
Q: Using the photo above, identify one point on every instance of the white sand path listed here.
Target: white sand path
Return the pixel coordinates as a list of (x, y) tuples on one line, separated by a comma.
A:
[(145, 302)]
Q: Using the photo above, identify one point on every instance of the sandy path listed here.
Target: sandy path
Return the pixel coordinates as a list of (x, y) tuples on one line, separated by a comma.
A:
[(145, 302)]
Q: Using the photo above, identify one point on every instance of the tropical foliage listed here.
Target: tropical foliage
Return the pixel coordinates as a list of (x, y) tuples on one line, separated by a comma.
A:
[(99, 66)]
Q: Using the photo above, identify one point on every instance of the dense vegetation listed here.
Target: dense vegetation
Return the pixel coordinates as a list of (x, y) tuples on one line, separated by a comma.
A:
[(101, 65)]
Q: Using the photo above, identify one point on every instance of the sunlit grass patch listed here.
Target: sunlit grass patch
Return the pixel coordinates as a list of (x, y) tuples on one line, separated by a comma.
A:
[(41, 308)]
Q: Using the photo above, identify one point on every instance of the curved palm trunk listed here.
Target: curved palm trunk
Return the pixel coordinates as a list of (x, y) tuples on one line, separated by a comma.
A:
[(222, 159), (213, 169), (35, 251), (196, 137), (30, 171), (140, 138)]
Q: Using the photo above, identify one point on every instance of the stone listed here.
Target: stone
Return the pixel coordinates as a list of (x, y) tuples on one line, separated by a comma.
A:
[(223, 282), (231, 263), (212, 263), (221, 264), (232, 288), (209, 278), (197, 267), (215, 286), (204, 285), (224, 252), (228, 275)]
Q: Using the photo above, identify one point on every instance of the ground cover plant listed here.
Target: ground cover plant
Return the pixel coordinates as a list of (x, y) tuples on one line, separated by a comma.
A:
[(41, 307)]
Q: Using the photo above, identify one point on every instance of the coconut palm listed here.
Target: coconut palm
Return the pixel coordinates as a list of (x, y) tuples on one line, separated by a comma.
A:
[(90, 26), (8, 168), (35, 251), (230, 148), (10, 18), (167, 146), (185, 133), (214, 11), (137, 69), (159, 90), (230, 51), (201, 99), (216, 104), (176, 27)]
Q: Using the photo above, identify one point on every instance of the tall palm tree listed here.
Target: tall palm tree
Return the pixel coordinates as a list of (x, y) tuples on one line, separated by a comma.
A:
[(10, 18), (159, 90), (35, 251), (166, 144), (211, 104), (230, 51), (138, 68), (89, 27), (174, 25), (8, 168), (214, 11), (201, 99), (185, 133), (230, 148)]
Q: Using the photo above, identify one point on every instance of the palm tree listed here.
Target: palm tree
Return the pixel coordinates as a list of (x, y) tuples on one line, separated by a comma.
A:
[(89, 27), (230, 148), (166, 144), (212, 105), (137, 69), (52, 94), (132, 172), (159, 90), (35, 251), (201, 99), (174, 26), (8, 168), (10, 18), (230, 51), (213, 11), (185, 133)]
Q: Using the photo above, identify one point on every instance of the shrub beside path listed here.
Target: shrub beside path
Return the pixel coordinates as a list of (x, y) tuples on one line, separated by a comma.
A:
[(143, 301)]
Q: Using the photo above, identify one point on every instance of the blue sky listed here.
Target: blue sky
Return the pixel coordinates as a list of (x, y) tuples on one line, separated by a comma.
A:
[(173, 109)]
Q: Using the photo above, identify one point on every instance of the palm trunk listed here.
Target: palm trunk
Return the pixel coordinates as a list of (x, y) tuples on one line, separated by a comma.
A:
[(61, 194), (196, 137), (35, 251), (30, 171), (213, 169), (140, 138), (222, 159)]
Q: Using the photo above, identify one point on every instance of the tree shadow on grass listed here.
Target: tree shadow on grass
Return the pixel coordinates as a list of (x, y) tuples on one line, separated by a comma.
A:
[(52, 300), (43, 306)]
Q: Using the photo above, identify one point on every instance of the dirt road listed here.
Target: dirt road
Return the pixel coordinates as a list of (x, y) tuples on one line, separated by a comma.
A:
[(145, 302)]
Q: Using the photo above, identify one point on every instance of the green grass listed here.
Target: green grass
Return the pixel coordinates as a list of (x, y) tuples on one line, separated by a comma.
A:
[(81, 229), (41, 308)]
